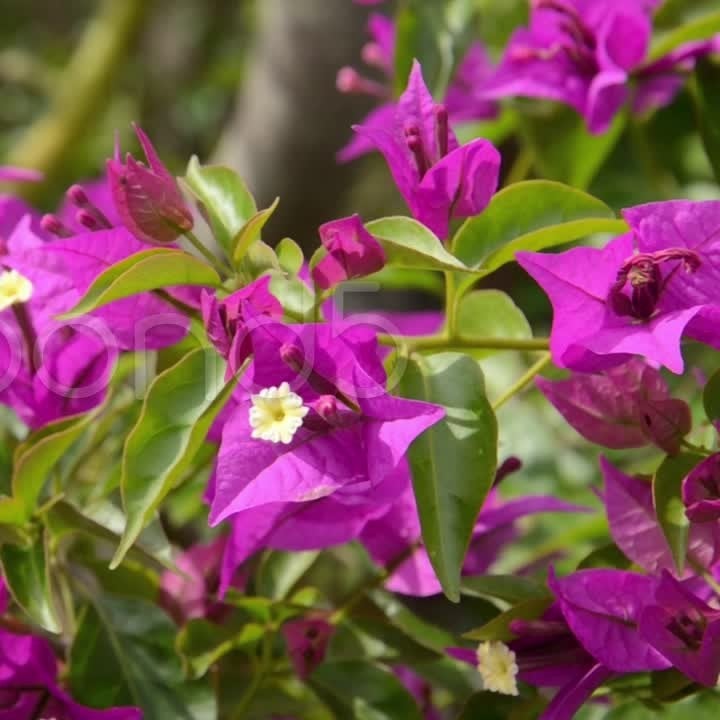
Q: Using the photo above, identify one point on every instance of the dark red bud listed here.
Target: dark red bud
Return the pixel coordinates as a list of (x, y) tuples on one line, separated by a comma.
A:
[(87, 220), (292, 356), (327, 408), (77, 196), (53, 225), (442, 127), (508, 467)]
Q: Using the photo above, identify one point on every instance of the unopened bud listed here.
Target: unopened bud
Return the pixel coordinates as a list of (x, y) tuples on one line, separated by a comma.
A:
[(87, 220), (292, 356), (77, 196), (328, 409), (147, 198), (53, 225)]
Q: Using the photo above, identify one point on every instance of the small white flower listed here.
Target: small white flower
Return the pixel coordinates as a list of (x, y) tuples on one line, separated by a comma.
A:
[(497, 667), (14, 288), (276, 414)]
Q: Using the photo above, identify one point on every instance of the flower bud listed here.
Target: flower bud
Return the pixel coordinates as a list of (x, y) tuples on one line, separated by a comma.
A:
[(307, 641), (148, 199), (352, 252)]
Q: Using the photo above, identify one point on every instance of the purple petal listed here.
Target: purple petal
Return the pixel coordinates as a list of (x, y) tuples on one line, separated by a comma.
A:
[(571, 697), (603, 408), (602, 608), (460, 185), (463, 99), (352, 252), (362, 143), (633, 523), (142, 321), (701, 491)]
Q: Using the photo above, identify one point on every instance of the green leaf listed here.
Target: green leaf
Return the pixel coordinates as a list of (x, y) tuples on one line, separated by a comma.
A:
[(670, 685), (381, 628), (491, 313), (499, 628), (669, 507), (428, 635), (393, 278), (453, 463), (294, 295), (279, 571), (153, 269), (63, 518), (180, 406), (38, 455), (375, 639), (700, 28), (409, 244), (225, 198), (711, 397), (706, 94), (26, 574), (531, 215), (290, 256), (123, 654), (510, 588), (202, 643), (606, 556), (250, 232), (259, 259), (562, 147), (361, 691), (5, 467)]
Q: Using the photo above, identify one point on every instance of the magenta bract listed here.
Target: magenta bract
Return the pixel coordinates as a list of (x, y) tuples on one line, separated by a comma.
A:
[(147, 197)]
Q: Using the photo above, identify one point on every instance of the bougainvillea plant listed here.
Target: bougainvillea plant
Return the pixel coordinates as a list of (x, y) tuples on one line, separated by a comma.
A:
[(223, 496)]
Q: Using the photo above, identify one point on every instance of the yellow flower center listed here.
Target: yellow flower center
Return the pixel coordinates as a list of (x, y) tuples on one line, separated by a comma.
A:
[(497, 667), (276, 414), (14, 288)]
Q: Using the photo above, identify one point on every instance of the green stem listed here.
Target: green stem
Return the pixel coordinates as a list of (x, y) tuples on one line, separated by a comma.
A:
[(451, 329), (443, 342), (80, 95), (695, 448), (524, 381), (261, 671), (198, 245), (177, 304), (522, 166), (703, 572)]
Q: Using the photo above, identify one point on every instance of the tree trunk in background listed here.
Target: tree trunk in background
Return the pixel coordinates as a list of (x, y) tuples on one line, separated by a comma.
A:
[(290, 120)]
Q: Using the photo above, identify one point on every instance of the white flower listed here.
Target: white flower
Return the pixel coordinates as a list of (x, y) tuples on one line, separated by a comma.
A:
[(276, 414), (14, 288), (497, 666)]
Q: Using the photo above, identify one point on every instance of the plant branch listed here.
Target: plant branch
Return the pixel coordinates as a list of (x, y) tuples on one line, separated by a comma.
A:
[(261, 672), (523, 381), (443, 342), (195, 241)]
